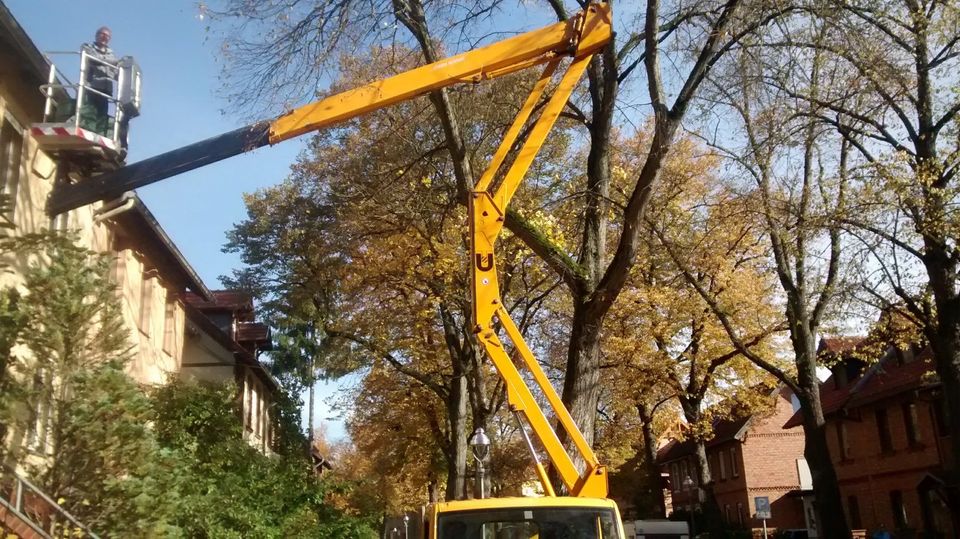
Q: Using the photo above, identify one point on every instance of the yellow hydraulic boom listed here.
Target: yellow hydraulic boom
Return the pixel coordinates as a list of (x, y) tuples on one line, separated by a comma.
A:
[(576, 39)]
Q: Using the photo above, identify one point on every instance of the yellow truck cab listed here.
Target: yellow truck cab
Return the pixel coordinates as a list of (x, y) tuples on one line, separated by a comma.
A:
[(550, 517)]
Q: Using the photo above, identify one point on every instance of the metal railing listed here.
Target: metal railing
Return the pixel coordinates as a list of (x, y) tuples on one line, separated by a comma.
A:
[(37, 510), (65, 99)]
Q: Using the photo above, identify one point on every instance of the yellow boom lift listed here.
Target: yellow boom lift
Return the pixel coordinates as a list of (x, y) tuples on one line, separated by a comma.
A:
[(585, 513)]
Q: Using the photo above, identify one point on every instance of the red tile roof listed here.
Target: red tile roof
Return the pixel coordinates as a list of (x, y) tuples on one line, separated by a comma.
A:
[(884, 379), (836, 345), (724, 430)]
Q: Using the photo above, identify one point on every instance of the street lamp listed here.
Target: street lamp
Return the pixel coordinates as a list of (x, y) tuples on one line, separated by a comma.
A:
[(688, 485), (481, 446), (406, 526)]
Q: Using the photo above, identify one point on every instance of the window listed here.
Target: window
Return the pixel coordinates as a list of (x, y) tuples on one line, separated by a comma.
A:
[(726, 513), (713, 466), (899, 510), (11, 151), (936, 514), (528, 523), (734, 466), (267, 431), (883, 430), (853, 511), (261, 411), (60, 222), (146, 303), (677, 482), (247, 403), (683, 474), (723, 465), (170, 324), (904, 355), (252, 405), (38, 429), (910, 423), (740, 519), (843, 442)]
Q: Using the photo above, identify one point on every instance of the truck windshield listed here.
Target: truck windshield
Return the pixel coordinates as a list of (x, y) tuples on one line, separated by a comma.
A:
[(529, 523)]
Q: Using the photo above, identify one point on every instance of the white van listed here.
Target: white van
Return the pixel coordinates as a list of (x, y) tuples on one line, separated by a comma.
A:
[(657, 529)]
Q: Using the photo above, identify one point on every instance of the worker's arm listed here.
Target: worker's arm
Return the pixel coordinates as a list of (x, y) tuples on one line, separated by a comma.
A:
[(581, 35)]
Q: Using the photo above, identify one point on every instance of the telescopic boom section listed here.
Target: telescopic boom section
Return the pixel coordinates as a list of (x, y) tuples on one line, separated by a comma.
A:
[(584, 33), (578, 38)]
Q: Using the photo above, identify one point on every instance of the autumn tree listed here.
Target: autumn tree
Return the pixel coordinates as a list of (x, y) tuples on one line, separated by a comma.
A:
[(898, 109), (794, 177), (364, 249), (277, 49), (666, 340)]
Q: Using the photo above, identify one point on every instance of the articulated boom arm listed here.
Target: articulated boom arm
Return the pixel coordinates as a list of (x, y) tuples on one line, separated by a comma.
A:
[(487, 214), (578, 38)]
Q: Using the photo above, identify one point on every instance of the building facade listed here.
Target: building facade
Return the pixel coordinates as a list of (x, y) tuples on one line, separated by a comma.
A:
[(165, 304), (888, 439), (749, 457), (223, 343)]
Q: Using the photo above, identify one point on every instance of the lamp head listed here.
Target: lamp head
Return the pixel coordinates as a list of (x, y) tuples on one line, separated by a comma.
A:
[(480, 443)]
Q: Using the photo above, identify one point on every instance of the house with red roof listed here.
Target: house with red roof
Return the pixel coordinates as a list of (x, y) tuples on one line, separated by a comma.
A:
[(750, 456), (888, 438)]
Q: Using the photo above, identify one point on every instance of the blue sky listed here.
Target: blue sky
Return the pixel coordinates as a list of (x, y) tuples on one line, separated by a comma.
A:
[(178, 56)]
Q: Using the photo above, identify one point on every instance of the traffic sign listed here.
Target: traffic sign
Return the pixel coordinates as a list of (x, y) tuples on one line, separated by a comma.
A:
[(762, 503)]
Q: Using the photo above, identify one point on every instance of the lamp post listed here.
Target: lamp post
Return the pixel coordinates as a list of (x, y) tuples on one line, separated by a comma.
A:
[(406, 526), (688, 485), (481, 446)]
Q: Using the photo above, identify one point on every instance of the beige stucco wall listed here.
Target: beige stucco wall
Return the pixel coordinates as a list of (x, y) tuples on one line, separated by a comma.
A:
[(199, 348), (145, 299), (207, 360), (257, 404), (162, 340), (35, 180)]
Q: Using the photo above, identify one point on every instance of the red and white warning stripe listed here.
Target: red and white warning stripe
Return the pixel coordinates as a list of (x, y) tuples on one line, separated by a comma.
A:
[(62, 130)]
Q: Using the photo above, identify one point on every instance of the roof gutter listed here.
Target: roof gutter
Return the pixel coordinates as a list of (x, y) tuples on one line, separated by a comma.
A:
[(114, 208)]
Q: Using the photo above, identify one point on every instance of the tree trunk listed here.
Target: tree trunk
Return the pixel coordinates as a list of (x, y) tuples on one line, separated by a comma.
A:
[(581, 391), (659, 504), (831, 519), (457, 455), (708, 499), (311, 382), (942, 328), (946, 349), (581, 387)]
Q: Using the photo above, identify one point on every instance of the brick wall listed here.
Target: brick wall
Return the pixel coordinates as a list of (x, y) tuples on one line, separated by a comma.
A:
[(770, 455), (763, 463), (873, 479)]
